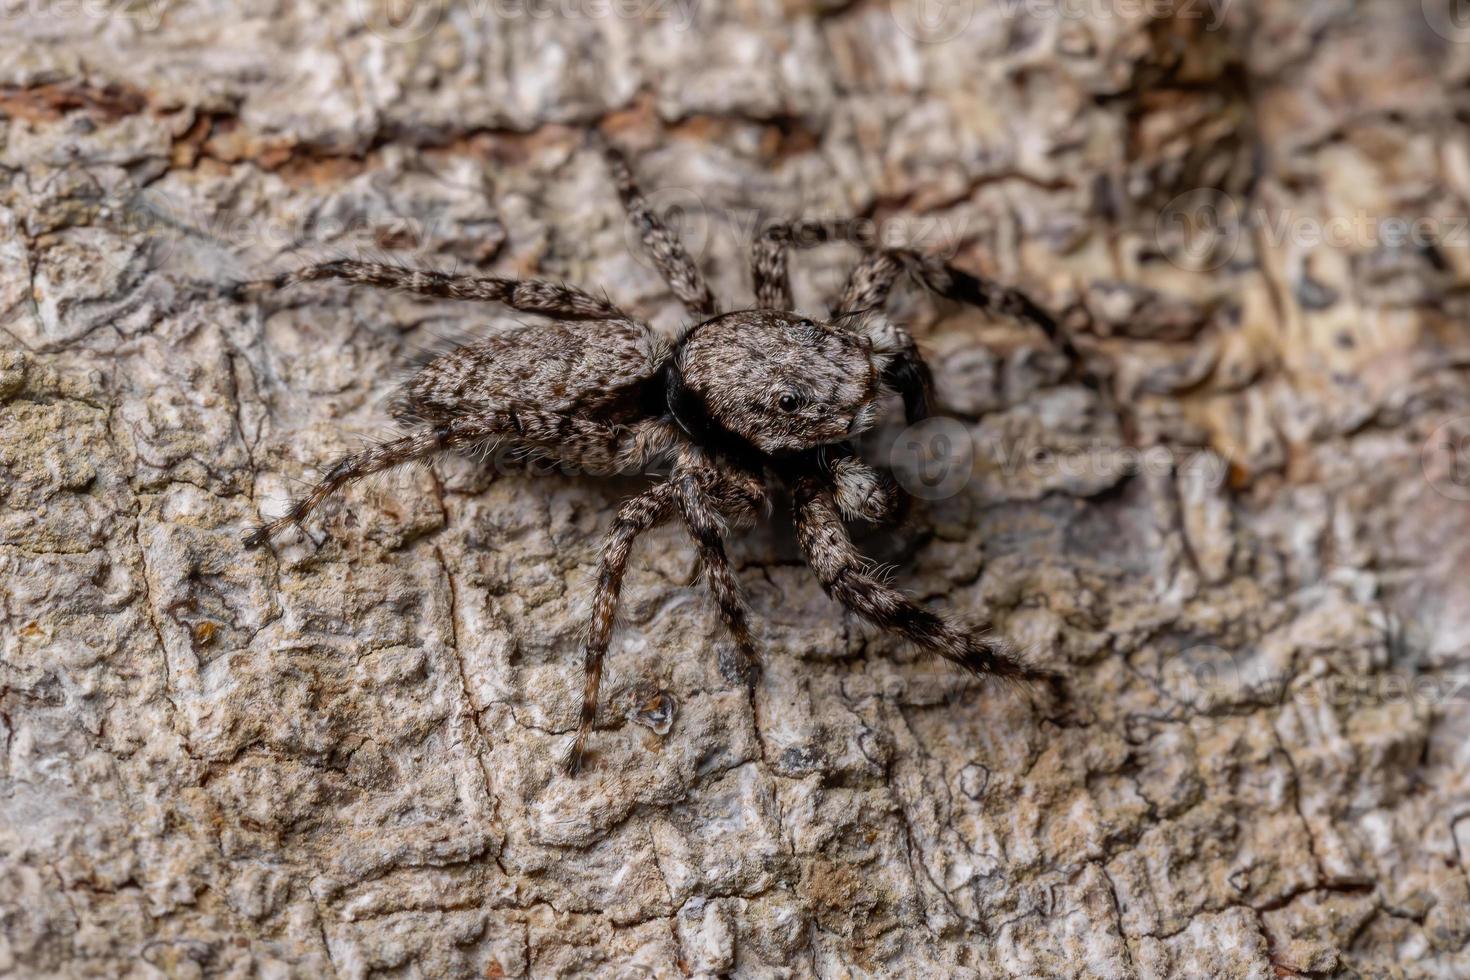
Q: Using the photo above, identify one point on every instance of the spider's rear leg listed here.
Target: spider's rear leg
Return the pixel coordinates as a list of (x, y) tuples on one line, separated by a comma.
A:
[(354, 466), (523, 295), (843, 574), (582, 443), (663, 246)]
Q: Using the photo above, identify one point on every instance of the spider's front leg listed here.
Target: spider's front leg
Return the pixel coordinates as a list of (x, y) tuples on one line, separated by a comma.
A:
[(843, 574), (872, 281), (709, 498)]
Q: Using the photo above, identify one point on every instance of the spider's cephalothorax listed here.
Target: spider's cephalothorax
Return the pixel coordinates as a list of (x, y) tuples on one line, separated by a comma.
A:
[(768, 382), (739, 400)]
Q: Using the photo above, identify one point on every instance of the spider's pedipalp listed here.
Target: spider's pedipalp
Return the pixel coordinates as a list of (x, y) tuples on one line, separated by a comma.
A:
[(862, 492)]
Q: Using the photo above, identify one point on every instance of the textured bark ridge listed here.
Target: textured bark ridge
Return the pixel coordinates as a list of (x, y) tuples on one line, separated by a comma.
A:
[(337, 757)]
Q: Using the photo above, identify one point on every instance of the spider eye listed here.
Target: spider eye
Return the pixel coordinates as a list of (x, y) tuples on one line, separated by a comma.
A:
[(789, 402)]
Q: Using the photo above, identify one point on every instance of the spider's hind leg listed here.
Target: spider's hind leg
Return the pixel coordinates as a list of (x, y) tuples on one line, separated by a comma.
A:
[(570, 440), (523, 295), (353, 466)]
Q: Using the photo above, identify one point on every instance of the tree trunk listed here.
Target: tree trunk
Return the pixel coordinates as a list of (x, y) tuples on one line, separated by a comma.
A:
[(1238, 541)]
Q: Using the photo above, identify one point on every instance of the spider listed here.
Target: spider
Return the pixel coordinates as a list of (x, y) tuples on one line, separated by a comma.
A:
[(740, 400)]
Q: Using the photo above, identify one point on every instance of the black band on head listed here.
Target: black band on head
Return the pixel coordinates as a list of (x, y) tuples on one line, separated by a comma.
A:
[(691, 411)]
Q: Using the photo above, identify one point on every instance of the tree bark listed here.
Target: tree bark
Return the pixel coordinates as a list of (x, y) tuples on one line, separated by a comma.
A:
[(338, 755)]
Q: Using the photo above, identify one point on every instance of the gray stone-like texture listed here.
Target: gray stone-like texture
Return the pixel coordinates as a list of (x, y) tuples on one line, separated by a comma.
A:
[(337, 756)]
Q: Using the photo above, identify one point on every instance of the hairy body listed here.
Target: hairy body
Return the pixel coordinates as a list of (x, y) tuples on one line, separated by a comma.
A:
[(739, 401)]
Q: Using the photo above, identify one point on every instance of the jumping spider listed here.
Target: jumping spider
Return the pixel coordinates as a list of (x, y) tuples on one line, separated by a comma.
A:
[(739, 399)]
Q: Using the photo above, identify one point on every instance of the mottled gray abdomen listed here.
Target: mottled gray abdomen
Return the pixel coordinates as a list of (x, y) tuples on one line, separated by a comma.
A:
[(598, 369)]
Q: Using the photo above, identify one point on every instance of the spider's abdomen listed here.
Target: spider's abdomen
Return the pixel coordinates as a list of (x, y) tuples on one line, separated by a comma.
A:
[(600, 370)]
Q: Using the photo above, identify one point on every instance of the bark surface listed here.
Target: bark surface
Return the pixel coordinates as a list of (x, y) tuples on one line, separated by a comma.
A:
[(338, 756)]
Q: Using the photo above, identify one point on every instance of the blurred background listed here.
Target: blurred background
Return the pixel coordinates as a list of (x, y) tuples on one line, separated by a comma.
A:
[(1240, 539)]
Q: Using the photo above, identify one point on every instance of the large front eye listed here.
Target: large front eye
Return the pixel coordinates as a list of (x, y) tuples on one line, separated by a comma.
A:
[(789, 402)]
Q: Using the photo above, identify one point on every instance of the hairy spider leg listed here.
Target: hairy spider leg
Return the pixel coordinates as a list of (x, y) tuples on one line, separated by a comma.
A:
[(663, 246), (706, 498), (523, 295), (843, 573), (577, 441), (768, 255), (636, 515)]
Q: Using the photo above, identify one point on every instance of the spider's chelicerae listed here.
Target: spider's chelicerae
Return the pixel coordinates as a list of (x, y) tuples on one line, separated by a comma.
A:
[(740, 399)]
